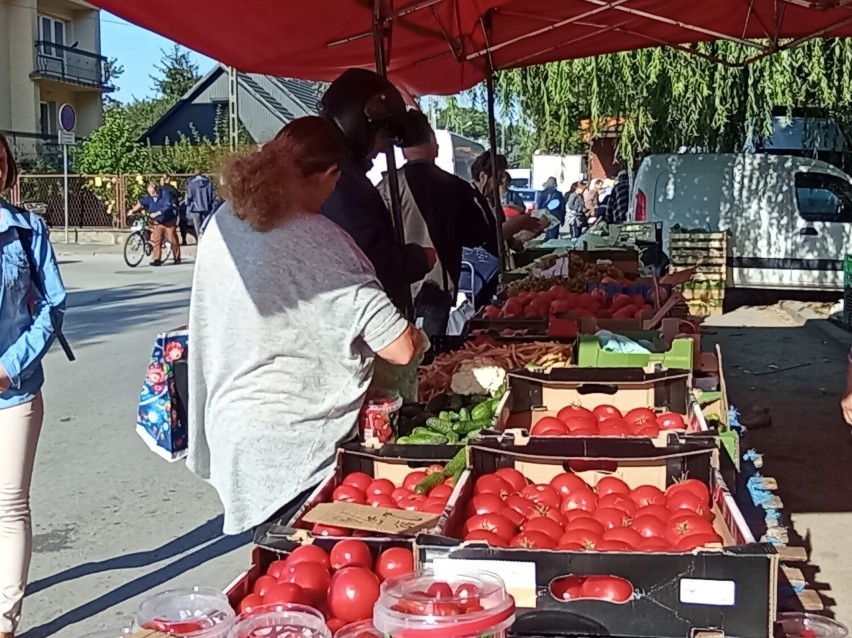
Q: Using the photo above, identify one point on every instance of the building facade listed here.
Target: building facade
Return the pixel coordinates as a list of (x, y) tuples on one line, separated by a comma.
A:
[(50, 54)]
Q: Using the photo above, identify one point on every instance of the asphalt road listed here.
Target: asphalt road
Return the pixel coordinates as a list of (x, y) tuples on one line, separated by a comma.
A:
[(111, 520)]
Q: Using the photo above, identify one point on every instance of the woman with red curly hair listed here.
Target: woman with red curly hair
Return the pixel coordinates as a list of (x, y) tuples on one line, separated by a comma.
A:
[(285, 321)]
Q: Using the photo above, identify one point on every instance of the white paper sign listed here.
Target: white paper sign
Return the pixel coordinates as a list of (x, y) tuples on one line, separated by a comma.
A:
[(698, 591), (518, 576)]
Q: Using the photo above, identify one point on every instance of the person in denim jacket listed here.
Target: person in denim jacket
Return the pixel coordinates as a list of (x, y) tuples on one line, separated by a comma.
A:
[(26, 332)]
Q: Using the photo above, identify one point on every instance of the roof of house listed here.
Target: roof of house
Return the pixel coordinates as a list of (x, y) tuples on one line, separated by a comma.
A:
[(265, 104)]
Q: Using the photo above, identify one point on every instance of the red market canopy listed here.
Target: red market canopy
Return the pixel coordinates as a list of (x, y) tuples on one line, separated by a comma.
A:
[(446, 46)]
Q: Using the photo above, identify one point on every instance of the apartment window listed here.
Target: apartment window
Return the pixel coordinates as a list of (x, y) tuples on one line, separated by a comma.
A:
[(47, 116), (51, 30)]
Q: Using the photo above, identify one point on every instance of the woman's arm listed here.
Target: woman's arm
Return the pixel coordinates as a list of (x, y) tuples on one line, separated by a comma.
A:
[(32, 345), (403, 350)]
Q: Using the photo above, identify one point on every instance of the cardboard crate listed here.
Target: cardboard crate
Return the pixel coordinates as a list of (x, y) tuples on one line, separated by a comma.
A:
[(679, 355), (390, 462), (728, 591), (719, 406)]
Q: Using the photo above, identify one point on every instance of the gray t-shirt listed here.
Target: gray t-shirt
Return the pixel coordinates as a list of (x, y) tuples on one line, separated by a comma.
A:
[(283, 327)]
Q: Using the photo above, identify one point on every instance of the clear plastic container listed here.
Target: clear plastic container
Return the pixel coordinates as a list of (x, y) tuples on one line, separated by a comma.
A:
[(363, 629), (281, 621), (377, 421), (197, 612), (465, 606), (797, 625)]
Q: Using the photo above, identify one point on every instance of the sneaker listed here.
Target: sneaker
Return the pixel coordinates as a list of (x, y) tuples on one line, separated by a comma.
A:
[(156, 262)]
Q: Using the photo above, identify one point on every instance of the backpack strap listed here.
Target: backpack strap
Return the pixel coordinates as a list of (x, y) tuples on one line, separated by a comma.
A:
[(25, 235)]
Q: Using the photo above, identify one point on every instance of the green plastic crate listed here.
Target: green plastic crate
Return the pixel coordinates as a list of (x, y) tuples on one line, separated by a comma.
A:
[(590, 354)]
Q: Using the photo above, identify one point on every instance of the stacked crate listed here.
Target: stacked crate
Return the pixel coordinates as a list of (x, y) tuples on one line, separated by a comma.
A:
[(708, 254)]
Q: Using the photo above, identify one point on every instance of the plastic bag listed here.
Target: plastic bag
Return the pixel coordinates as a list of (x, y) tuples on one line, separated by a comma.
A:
[(612, 342)]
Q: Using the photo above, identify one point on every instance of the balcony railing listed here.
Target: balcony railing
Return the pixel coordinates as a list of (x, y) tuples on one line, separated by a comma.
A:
[(69, 64)]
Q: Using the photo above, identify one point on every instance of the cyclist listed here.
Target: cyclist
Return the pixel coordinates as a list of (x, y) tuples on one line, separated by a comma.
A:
[(163, 210)]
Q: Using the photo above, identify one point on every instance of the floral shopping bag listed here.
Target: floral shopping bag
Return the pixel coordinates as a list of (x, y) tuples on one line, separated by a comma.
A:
[(161, 420)]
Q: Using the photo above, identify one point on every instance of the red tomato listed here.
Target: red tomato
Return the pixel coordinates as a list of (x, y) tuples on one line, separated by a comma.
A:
[(546, 526), (400, 493), (587, 523), (566, 483), (542, 495), (435, 468), (328, 530), (686, 500), (619, 502), (468, 596), (513, 477), (580, 424), (486, 504), (307, 554), (688, 543), (671, 421), (623, 535), (648, 526), (604, 412), (549, 426), (533, 540), (648, 495), (336, 624), (492, 484), (584, 499), (441, 491), (657, 511), (358, 479), (514, 515), (571, 547), (396, 561), (349, 494), (413, 479), (382, 500), (433, 506), (352, 593), (350, 554), (612, 546), (495, 523), (567, 587), (611, 485), (694, 486), (641, 416), (575, 411), (283, 593), (250, 602), (412, 502), (611, 588), (262, 584), (686, 525), (650, 429), (486, 536), (278, 567), (439, 590), (654, 545), (312, 577), (611, 518), (381, 486), (583, 537), (614, 427), (523, 506)]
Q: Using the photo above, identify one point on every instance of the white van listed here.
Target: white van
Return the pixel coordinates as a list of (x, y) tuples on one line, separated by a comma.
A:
[(456, 155), (790, 217)]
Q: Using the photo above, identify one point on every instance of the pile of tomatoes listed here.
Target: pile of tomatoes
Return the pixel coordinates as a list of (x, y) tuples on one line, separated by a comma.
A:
[(343, 584), (594, 587), (361, 488), (557, 300), (509, 511), (607, 420)]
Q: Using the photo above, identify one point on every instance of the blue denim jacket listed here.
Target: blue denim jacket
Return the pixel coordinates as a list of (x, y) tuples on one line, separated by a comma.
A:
[(25, 327)]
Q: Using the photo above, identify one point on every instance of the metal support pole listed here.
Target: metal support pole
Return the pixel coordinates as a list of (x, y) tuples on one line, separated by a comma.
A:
[(233, 109), (65, 186), (495, 196)]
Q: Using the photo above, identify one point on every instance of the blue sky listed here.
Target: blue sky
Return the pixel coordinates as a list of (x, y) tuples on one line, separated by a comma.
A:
[(137, 51)]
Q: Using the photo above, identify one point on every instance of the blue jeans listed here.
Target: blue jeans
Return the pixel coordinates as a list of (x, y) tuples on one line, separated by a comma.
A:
[(553, 233)]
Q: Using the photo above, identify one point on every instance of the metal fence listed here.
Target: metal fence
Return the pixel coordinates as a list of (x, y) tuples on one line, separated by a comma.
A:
[(94, 201)]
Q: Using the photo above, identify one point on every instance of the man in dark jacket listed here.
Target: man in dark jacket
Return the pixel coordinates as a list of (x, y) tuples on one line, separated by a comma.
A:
[(440, 211), (367, 108), (200, 196)]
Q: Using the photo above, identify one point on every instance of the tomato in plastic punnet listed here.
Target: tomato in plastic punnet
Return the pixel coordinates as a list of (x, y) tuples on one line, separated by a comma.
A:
[(584, 499), (566, 483), (439, 590), (263, 583), (694, 486), (611, 588), (328, 530), (611, 485), (485, 536), (549, 426), (413, 478), (381, 486), (250, 602), (604, 412), (382, 500), (495, 523), (352, 593), (306, 554), (513, 477), (533, 540), (641, 416), (623, 535), (358, 479), (393, 562), (544, 525), (283, 593), (648, 526), (671, 421), (542, 495), (619, 502), (350, 554), (587, 523), (492, 484), (348, 494), (575, 411), (648, 495), (583, 537), (567, 587), (312, 577), (610, 517)]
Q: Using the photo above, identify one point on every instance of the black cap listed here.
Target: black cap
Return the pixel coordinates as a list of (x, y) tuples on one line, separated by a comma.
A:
[(362, 103)]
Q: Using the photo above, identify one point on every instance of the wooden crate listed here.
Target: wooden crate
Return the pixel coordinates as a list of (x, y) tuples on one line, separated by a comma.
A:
[(708, 255)]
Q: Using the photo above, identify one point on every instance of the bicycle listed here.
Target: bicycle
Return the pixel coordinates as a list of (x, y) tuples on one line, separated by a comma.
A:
[(138, 244)]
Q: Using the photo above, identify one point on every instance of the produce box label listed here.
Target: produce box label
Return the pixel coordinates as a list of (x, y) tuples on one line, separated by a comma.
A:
[(701, 591), (368, 518)]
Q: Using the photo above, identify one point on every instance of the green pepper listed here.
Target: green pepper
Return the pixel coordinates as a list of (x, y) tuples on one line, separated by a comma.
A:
[(456, 464), (432, 480)]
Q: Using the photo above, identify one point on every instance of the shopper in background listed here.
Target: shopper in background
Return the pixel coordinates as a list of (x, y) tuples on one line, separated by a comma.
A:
[(355, 205), (482, 177), (285, 319), (200, 198), (508, 197), (32, 301), (162, 207), (575, 210), (551, 200), (618, 202), (591, 197)]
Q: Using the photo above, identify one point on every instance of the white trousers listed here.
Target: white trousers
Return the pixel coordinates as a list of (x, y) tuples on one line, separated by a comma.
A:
[(19, 430)]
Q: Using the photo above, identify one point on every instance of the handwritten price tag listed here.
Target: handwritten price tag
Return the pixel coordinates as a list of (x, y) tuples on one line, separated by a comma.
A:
[(370, 519)]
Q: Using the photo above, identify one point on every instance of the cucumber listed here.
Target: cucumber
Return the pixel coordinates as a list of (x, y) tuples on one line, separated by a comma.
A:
[(456, 464), (432, 480)]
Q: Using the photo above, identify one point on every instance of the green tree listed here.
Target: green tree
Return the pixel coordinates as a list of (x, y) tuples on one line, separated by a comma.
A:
[(112, 72), (177, 73), (463, 120)]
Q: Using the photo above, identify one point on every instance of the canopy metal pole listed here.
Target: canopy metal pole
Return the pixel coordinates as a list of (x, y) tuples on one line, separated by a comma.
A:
[(495, 177)]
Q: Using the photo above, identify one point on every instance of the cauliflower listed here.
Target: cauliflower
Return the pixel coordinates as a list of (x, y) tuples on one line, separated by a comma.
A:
[(481, 375)]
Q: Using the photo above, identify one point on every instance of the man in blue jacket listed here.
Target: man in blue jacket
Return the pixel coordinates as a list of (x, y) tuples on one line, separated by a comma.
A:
[(368, 110), (200, 196)]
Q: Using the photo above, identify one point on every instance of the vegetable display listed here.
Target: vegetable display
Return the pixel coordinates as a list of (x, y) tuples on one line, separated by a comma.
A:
[(507, 510), (342, 584), (557, 299), (450, 419), (607, 420), (581, 273)]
